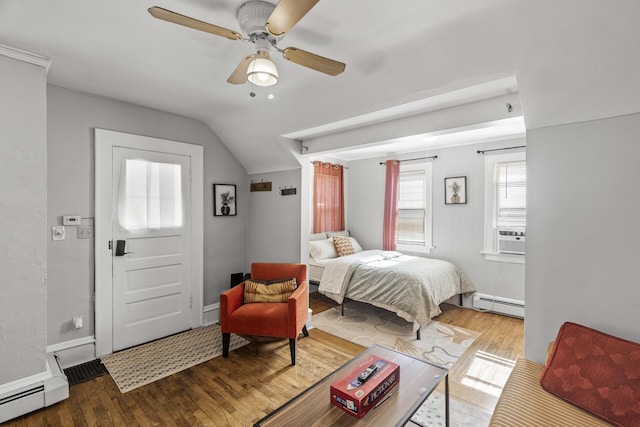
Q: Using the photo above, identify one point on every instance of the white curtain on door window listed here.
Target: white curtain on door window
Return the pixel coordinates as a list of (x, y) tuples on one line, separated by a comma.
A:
[(150, 195)]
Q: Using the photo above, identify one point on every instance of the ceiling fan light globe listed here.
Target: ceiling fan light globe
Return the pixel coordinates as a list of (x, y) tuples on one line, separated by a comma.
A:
[(262, 72)]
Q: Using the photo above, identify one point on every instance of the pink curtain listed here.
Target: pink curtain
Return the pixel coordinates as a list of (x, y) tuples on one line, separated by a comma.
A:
[(328, 197), (390, 206)]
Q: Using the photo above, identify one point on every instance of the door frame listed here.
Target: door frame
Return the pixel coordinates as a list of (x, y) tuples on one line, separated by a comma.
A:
[(105, 140)]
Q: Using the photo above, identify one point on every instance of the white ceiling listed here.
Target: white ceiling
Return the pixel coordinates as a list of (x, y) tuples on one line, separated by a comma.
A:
[(574, 60)]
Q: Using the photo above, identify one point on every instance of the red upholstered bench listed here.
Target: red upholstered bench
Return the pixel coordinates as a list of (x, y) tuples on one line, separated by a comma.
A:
[(590, 379)]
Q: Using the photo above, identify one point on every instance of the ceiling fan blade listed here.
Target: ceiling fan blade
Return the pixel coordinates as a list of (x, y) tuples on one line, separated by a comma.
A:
[(313, 61), (239, 75), (287, 14), (176, 18)]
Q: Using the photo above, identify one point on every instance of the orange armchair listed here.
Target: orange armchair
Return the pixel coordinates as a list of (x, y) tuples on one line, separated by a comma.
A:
[(273, 319)]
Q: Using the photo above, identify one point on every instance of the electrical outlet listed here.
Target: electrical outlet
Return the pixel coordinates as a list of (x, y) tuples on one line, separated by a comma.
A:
[(85, 231), (57, 232), (77, 322)]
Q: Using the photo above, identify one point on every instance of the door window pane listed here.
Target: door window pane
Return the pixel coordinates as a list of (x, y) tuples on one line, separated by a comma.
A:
[(150, 195)]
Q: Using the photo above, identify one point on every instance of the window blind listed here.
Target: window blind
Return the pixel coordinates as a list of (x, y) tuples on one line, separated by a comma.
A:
[(511, 194), (410, 226)]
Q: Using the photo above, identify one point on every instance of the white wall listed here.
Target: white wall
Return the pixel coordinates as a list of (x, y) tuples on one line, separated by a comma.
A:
[(274, 220), (72, 117), (583, 230), (458, 230), (23, 219)]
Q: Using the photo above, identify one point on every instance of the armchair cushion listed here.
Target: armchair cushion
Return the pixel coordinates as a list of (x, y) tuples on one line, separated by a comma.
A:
[(272, 291), (274, 319)]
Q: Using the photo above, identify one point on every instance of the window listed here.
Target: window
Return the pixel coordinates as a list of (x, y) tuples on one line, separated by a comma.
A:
[(150, 195), (505, 206), (511, 191), (413, 226)]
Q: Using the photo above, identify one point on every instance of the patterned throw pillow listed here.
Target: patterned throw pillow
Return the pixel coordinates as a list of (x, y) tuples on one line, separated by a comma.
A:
[(597, 372), (278, 290), (343, 246)]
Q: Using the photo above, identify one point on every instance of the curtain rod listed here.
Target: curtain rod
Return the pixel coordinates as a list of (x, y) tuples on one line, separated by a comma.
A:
[(500, 149), (336, 164), (417, 158)]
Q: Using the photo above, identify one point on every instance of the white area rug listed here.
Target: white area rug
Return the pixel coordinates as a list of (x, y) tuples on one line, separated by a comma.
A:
[(440, 343), (149, 362), (461, 414), (366, 325)]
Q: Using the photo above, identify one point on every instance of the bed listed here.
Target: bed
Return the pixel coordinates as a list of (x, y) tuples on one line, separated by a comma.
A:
[(411, 287)]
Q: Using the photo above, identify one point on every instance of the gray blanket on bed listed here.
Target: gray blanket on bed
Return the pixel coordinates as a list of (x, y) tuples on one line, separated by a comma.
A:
[(412, 287)]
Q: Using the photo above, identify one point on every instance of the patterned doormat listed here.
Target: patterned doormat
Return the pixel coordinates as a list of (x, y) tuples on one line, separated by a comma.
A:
[(149, 362)]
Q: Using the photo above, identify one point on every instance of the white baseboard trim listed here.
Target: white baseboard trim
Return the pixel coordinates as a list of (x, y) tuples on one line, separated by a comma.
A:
[(65, 345), (74, 352), (211, 314)]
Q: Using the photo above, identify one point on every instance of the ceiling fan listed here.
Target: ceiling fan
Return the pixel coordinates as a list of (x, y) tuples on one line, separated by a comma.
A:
[(264, 25)]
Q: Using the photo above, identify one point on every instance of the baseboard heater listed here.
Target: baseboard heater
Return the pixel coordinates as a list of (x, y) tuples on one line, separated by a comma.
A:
[(508, 306), (25, 398)]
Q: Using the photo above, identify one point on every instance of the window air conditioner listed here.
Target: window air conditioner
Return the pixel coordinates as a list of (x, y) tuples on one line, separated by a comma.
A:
[(511, 242)]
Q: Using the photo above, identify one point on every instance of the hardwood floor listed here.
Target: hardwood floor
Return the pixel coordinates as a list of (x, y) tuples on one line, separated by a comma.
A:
[(479, 375), (258, 378)]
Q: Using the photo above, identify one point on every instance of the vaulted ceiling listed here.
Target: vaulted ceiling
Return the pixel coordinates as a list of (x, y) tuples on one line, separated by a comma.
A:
[(573, 60)]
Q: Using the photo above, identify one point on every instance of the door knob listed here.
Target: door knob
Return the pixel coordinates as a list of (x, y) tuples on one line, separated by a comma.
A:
[(120, 248)]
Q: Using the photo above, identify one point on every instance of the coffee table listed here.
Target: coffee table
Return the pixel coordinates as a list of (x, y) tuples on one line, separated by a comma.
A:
[(312, 407)]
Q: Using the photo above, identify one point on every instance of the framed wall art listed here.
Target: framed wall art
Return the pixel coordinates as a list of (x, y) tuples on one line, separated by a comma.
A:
[(455, 190), (224, 200)]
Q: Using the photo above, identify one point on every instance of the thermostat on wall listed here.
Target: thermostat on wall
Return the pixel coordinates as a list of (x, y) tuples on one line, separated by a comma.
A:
[(71, 220)]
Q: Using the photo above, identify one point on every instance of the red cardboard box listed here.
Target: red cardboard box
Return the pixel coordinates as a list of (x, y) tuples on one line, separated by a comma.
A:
[(357, 398)]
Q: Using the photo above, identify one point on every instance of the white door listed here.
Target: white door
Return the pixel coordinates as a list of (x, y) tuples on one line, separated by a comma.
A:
[(150, 245)]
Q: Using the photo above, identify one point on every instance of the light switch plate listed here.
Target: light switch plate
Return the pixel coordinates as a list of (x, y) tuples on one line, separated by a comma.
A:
[(57, 232), (85, 232)]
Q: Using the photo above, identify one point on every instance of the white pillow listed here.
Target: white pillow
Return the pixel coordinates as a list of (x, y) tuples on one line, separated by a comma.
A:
[(318, 236), (355, 244), (343, 233), (322, 249)]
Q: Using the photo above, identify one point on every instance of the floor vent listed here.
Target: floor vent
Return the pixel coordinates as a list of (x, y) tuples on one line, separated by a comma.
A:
[(85, 372), (508, 306)]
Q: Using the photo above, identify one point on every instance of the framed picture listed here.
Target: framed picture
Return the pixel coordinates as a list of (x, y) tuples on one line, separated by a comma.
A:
[(455, 190), (224, 200)]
